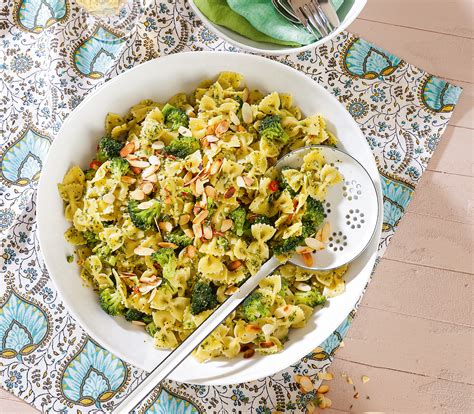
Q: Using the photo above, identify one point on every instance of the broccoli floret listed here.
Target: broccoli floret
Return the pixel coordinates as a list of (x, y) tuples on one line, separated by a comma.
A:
[(133, 315), (111, 301), (239, 217), (270, 128), (108, 148), (313, 216), (254, 307), (119, 167), (239, 101), (211, 206), (311, 298), (179, 238), (90, 174), (151, 328), (181, 147), (284, 184), (104, 254), (223, 242), (288, 246), (143, 219), (203, 298), (284, 287), (174, 117), (263, 220), (91, 239), (166, 258)]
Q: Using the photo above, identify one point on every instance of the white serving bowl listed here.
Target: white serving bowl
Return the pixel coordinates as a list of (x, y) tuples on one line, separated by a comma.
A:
[(273, 49), (76, 145)]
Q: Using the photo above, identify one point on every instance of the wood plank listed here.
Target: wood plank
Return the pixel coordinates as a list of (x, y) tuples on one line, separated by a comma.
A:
[(453, 17), (447, 296), (433, 242), (455, 152), (394, 391), (439, 54), (463, 115), (444, 196), (399, 342)]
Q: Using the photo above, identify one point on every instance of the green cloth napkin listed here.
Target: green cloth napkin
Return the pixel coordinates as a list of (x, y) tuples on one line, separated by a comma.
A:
[(219, 12), (262, 14)]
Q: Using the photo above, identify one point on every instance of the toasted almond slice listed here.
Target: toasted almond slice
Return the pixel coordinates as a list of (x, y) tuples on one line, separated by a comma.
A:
[(323, 389), (184, 219), (201, 217), (152, 178), (149, 171), (139, 163), (222, 127), (304, 249), (127, 149), (234, 265), (207, 231), (167, 245), (165, 226), (231, 290), (303, 287), (154, 160), (230, 192), (191, 251), (146, 288), (210, 129), (248, 180), (234, 118), (216, 166), (210, 191), (325, 376), (109, 198), (240, 181), (196, 209), (325, 232), (253, 329), (214, 147), (137, 194), (147, 187), (319, 235), (306, 384), (307, 259), (128, 180), (139, 323), (247, 115), (185, 132), (268, 329), (199, 187), (245, 94), (168, 200), (143, 251), (226, 224), (314, 243), (197, 229), (146, 204), (157, 145), (188, 177), (266, 344), (150, 279), (189, 232), (212, 138), (282, 311)]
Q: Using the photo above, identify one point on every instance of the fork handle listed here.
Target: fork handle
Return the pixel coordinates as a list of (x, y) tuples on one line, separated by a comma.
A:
[(177, 356)]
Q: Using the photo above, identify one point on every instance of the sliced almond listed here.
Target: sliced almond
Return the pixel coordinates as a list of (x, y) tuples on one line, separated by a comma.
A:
[(167, 245), (152, 178), (210, 191), (146, 204), (216, 166), (143, 251), (245, 94), (196, 209), (139, 323), (128, 180), (222, 127), (234, 118), (314, 243), (191, 251), (247, 115), (234, 265), (109, 198), (283, 311), (212, 138), (302, 287), (150, 279), (127, 149), (157, 145), (248, 180), (199, 187), (197, 230), (306, 384), (149, 171), (185, 132), (325, 232), (210, 129), (165, 226), (139, 163), (307, 259), (184, 219), (189, 233), (240, 181), (230, 192), (268, 329), (146, 288), (137, 194), (253, 329), (226, 224), (266, 344), (304, 249), (323, 389), (214, 147), (201, 217), (154, 160), (231, 290), (207, 231), (188, 177), (147, 187)]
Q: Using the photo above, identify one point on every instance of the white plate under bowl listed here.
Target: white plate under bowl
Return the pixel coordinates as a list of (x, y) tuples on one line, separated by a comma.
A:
[(76, 144), (272, 49)]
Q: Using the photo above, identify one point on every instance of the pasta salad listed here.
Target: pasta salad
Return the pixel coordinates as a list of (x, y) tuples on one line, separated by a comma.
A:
[(182, 203)]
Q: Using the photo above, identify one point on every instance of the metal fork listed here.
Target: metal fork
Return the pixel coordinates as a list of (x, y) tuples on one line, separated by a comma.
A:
[(312, 16)]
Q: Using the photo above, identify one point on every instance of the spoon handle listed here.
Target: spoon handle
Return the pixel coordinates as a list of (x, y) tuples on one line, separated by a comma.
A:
[(177, 356)]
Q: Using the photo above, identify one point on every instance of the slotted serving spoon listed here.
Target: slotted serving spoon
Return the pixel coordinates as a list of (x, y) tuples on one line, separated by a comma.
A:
[(352, 209)]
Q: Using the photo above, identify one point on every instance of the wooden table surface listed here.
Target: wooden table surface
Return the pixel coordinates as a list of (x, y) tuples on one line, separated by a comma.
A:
[(413, 335)]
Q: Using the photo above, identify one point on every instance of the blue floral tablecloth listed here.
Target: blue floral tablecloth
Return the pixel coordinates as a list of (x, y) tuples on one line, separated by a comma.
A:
[(51, 55)]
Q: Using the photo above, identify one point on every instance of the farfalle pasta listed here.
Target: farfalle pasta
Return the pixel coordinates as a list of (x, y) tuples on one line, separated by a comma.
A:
[(182, 203)]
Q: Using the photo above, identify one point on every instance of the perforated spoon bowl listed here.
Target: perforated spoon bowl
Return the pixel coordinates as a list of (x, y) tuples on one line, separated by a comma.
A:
[(350, 206)]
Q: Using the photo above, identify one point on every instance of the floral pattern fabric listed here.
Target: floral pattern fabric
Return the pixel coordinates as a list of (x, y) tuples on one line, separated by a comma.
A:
[(51, 55)]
